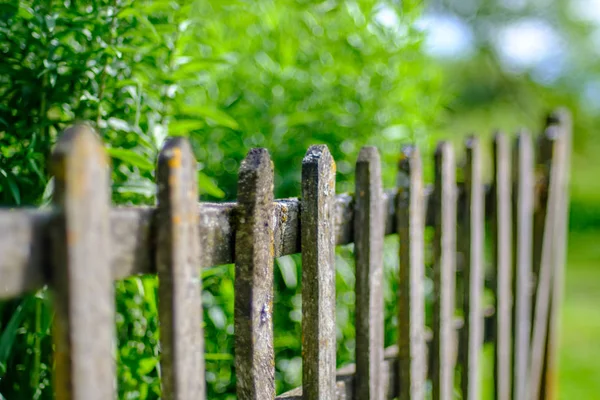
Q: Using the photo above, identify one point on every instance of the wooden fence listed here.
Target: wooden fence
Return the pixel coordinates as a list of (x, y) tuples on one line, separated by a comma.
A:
[(81, 245)]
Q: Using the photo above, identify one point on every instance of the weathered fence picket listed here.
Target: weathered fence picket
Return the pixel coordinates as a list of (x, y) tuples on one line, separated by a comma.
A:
[(472, 332), (177, 263), (562, 120), (83, 331), (81, 246), (522, 262), (502, 241), (411, 302), (318, 274), (443, 348), (254, 352), (368, 249), (552, 157)]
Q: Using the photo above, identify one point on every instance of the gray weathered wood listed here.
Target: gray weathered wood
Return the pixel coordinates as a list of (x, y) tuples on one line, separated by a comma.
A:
[(84, 327), (543, 161), (346, 376), (318, 274), (24, 249), (368, 249), (502, 248), (254, 354), (552, 156), (411, 302), (522, 264), (132, 238), (178, 265), (562, 119), (473, 240), (444, 274)]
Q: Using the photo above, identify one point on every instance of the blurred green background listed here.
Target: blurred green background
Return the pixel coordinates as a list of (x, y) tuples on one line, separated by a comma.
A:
[(234, 74)]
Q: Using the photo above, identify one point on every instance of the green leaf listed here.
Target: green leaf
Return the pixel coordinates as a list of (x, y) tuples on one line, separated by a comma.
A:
[(119, 124), (146, 365), (12, 185), (9, 333), (143, 187), (212, 271), (208, 186), (287, 267), (218, 357), (48, 193), (132, 158), (25, 12), (215, 115), (183, 127), (302, 118)]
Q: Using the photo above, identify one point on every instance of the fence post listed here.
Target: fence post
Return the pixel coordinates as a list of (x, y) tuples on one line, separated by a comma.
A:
[(502, 240), (562, 119), (254, 252), (82, 277), (411, 302), (318, 274), (369, 228), (472, 332), (444, 274), (178, 267), (552, 160), (522, 262)]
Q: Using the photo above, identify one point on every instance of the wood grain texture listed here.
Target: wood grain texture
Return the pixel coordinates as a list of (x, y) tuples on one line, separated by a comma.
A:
[(84, 325), (552, 161), (24, 248), (522, 262), (346, 376), (318, 274), (502, 262), (473, 240), (562, 119), (368, 249), (444, 274), (411, 302), (133, 237), (178, 265), (254, 354)]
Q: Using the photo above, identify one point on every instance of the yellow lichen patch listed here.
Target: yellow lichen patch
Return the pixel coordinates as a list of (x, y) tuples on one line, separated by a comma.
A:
[(176, 219), (175, 160)]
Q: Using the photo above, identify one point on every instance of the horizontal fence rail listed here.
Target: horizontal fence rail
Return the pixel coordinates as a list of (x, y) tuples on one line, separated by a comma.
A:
[(81, 245), (24, 237)]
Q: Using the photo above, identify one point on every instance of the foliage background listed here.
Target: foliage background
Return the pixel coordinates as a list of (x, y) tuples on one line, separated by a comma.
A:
[(234, 74), (230, 75), (508, 63)]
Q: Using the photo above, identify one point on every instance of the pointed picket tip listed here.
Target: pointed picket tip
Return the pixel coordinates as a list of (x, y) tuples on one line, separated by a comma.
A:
[(441, 147), (175, 157), (256, 159), (560, 116), (471, 142), (318, 155), (368, 154), (409, 158), (78, 142), (500, 137), (443, 151)]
